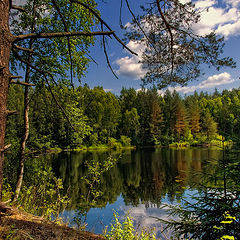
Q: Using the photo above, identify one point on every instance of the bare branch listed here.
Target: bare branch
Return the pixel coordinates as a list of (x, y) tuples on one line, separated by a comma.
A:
[(15, 7), (14, 77), (11, 112), (60, 34), (169, 30), (106, 55), (91, 58), (23, 49), (5, 148), (58, 104), (138, 24), (33, 67), (104, 23), (22, 83)]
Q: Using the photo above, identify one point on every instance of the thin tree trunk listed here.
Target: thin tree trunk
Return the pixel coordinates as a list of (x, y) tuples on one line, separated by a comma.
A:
[(6, 39), (26, 119), (26, 129)]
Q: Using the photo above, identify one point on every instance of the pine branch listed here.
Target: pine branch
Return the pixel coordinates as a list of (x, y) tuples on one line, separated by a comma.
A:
[(9, 112), (169, 30)]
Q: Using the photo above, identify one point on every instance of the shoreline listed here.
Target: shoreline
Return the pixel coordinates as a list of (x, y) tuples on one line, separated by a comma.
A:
[(17, 224)]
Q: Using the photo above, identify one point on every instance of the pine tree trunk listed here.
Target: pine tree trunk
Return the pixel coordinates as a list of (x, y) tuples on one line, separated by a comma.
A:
[(6, 39)]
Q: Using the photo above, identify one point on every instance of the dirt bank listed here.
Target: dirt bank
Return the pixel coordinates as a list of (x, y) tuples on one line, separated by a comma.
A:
[(18, 225)]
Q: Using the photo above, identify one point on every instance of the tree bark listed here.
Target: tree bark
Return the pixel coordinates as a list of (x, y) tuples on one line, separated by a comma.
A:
[(6, 39)]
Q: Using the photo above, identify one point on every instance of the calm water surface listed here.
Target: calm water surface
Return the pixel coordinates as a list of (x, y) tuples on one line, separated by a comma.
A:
[(139, 183)]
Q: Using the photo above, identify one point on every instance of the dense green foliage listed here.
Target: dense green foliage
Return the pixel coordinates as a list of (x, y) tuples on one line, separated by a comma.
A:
[(54, 57), (138, 118)]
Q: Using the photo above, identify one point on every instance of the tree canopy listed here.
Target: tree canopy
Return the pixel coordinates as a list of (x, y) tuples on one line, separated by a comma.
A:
[(172, 51)]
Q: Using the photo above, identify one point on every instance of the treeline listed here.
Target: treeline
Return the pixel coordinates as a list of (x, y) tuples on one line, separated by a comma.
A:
[(95, 117)]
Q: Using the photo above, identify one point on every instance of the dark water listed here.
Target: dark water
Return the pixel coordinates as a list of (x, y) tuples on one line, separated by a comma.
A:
[(139, 183)]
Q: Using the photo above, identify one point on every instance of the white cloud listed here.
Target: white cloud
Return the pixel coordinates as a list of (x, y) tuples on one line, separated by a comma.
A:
[(108, 89), (184, 1), (230, 29), (234, 3), (216, 80), (212, 81), (19, 2), (130, 66), (224, 20), (204, 3), (147, 217)]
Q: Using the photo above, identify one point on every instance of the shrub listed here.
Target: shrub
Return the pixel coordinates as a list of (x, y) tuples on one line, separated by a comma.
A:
[(125, 230), (125, 141)]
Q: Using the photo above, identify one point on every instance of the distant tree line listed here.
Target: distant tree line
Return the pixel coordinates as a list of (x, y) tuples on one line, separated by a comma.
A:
[(135, 117)]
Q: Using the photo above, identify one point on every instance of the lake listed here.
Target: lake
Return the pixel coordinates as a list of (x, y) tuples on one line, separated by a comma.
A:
[(139, 182)]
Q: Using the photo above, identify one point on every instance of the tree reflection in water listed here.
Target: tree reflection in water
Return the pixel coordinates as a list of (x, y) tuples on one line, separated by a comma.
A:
[(143, 178), (214, 213)]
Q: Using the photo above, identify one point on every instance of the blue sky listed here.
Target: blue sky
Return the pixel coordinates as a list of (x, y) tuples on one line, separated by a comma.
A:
[(222, 16)]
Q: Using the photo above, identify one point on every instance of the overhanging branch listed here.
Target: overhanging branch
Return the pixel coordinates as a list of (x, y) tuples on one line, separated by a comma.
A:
[(60, 34), (169, 30), (32, 66), (104, 23), (106, 55), (139, 25), (21, 83)]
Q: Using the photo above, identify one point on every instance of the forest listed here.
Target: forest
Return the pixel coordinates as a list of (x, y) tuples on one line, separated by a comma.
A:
[(139, 118)]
